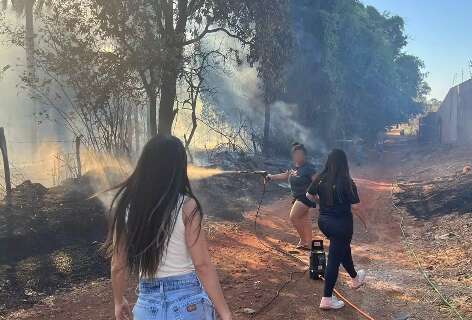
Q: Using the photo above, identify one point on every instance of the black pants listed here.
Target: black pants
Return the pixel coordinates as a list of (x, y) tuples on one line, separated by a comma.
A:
[(339, 232)]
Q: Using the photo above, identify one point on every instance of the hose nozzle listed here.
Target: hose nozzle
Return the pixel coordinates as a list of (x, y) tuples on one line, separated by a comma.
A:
[(262, 173)]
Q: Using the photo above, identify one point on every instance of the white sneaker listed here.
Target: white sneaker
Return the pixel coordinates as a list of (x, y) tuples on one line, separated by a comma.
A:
[(359, 279), (328, 303)]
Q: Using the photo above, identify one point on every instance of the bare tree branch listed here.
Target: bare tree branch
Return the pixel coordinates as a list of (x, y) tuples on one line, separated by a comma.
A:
[(207, 30)]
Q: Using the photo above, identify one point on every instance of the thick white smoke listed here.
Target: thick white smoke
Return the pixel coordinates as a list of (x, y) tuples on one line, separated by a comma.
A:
[(238, 92)]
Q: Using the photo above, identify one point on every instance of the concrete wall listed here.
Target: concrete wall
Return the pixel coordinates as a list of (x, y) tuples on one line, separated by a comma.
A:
[(464, 115), (455, 115)]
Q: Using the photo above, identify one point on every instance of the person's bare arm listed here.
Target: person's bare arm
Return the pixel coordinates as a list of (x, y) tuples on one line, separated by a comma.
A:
[(198, 248), (277, 177), (119, 281)]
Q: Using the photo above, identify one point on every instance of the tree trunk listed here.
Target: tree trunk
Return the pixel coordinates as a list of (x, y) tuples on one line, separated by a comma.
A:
[(30, 68), (266, 138), (29, 37), (6, 164), (77, 157), (137, 131), (188, 139), (166, 106), (152, 112), (128, 133)]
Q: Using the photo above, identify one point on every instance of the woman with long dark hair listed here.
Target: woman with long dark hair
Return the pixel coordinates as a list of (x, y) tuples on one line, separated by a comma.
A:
[(155, 232), (336, 192), (299, 177)]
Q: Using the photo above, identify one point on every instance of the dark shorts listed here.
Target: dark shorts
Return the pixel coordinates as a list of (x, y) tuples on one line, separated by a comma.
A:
[(303, 199)]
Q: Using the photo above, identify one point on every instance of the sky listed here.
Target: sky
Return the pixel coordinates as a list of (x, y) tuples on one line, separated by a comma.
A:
[(439, 33)]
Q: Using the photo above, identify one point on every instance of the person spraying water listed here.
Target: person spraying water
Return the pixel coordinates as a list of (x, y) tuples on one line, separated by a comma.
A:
[(299, 176)]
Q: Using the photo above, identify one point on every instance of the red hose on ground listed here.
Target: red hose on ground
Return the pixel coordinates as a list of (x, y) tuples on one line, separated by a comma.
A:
[(360, 311)]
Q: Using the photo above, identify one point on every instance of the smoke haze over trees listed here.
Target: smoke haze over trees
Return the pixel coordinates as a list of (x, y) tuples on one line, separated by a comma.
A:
[(346, 76), (118, 72)]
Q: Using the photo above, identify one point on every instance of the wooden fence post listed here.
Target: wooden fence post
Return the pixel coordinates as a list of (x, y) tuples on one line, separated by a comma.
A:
[(77, 156), (6, 165)]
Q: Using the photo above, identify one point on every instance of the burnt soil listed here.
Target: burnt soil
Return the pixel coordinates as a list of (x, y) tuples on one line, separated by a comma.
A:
[(274, 285), (434, 194), (50, 238), (49, 241)]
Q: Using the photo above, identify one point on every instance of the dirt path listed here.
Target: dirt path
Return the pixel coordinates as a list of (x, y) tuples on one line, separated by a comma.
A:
[(252, 273)]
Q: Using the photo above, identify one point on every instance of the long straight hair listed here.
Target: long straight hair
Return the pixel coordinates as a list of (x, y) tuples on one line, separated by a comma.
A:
[(145, 208), (336, 178)]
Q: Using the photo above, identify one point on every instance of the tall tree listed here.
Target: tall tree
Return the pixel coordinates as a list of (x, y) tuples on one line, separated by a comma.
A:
[(26, 8), (152, 40), (81, 79), (350, 76), (272, 51), (171, 27)]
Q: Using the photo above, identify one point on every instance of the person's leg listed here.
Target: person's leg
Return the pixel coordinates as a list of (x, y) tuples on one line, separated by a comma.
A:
[(330, 227), (358, 277), (335, 257), (308, 227), (300, 220), (347, 262)]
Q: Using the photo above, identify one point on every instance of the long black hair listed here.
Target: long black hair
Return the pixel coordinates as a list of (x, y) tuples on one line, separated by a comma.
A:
[(336, 180), (145, 208)]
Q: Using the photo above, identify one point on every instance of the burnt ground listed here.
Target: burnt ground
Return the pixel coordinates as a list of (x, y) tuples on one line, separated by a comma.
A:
[(227, 196), (434, 194), (252, 273), (50, 238), (49, 241)]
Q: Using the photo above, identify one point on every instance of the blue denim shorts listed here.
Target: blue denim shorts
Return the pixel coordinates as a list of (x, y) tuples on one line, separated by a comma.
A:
[(173, 298)]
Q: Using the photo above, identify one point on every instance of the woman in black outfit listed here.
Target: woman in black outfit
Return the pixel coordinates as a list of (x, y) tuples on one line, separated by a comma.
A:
[(335, 192)]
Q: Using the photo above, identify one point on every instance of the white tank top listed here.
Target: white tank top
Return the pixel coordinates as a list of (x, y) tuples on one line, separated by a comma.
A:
[(176, 259)]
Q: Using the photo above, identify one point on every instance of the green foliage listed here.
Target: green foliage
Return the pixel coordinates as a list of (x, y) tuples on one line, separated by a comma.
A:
[(341, 63), (134, 52), (351, 76), (272, 45)]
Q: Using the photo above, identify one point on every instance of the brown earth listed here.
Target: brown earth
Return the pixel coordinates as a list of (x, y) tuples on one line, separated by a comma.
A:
[(252, 273)]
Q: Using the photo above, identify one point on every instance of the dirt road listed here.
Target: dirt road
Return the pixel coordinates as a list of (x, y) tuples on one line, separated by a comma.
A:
[(253, 275)]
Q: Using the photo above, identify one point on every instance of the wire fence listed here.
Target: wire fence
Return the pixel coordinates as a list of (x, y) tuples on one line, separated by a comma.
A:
[(16, 176), (50, 169), (55, 161), (40, 141)]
